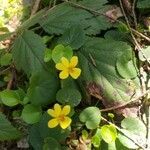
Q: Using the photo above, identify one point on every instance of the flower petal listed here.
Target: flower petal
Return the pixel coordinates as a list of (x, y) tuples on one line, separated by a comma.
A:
[(75, 73), (57, 110), (60, 66), (65, 123), (53, 123), (65, 62), (73, 61), (51, 112), (64, 74), (66, 110)]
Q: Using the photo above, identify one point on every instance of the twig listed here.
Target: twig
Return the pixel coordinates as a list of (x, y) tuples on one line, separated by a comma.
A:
[(140, 34), (35, 7), (127, 103), (133, 12)]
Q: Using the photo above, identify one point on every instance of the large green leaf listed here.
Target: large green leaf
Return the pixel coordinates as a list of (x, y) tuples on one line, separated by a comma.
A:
[(28, 52), (7, 131), (43, 87), (98, 59), (64, 15), (74, 37)]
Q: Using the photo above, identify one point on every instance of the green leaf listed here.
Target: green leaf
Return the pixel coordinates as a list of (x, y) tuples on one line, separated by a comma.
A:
[(6, 59), (108, 133), (97, 61), (35, 138), (60, 51), (57, 22), (143, 4), (126, 66), (10, 97), (51, 143), (47, 55), (91, 116), (96, 139), (33, 20), (68, 96), (74, 36), (146, 53), (31, 114), (135, 125), (28, 54), (134, 129), (7, 131), (43, 87)]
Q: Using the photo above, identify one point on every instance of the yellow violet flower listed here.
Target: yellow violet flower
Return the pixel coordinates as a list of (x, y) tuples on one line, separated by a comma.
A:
[(68, 68), (59, 116)]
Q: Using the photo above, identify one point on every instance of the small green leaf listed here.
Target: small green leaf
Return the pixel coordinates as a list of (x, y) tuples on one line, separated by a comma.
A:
[(84, 134), (146, 53), (134, 129), (126, 66), (51, 143), (60, 51), (69, 96), (6, 59), (7, 131), (47, 55), (10, 97), (31, 114), (108, 133), (74, 36), (91, 116), (96, 139)]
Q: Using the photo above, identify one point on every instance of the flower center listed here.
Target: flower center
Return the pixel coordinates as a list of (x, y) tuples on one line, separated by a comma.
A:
[(70, 69), (61, 118)]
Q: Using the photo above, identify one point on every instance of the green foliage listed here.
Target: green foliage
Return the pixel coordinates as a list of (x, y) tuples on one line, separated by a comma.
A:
[(43, 87), (31, 114), (143, 4), (60, 51), (91, 116), (98, 60), (11, 97), (58, 22), (146, 52), (30, 85), (73, 36), (134, 129), (7, 131), (108, 133), (6, 59), (28, 54), (47, 55), (68, 96), (51, 143)]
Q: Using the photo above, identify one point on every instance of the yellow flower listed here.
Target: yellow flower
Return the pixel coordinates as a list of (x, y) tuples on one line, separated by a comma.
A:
[(59, 116), (68, 68)]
